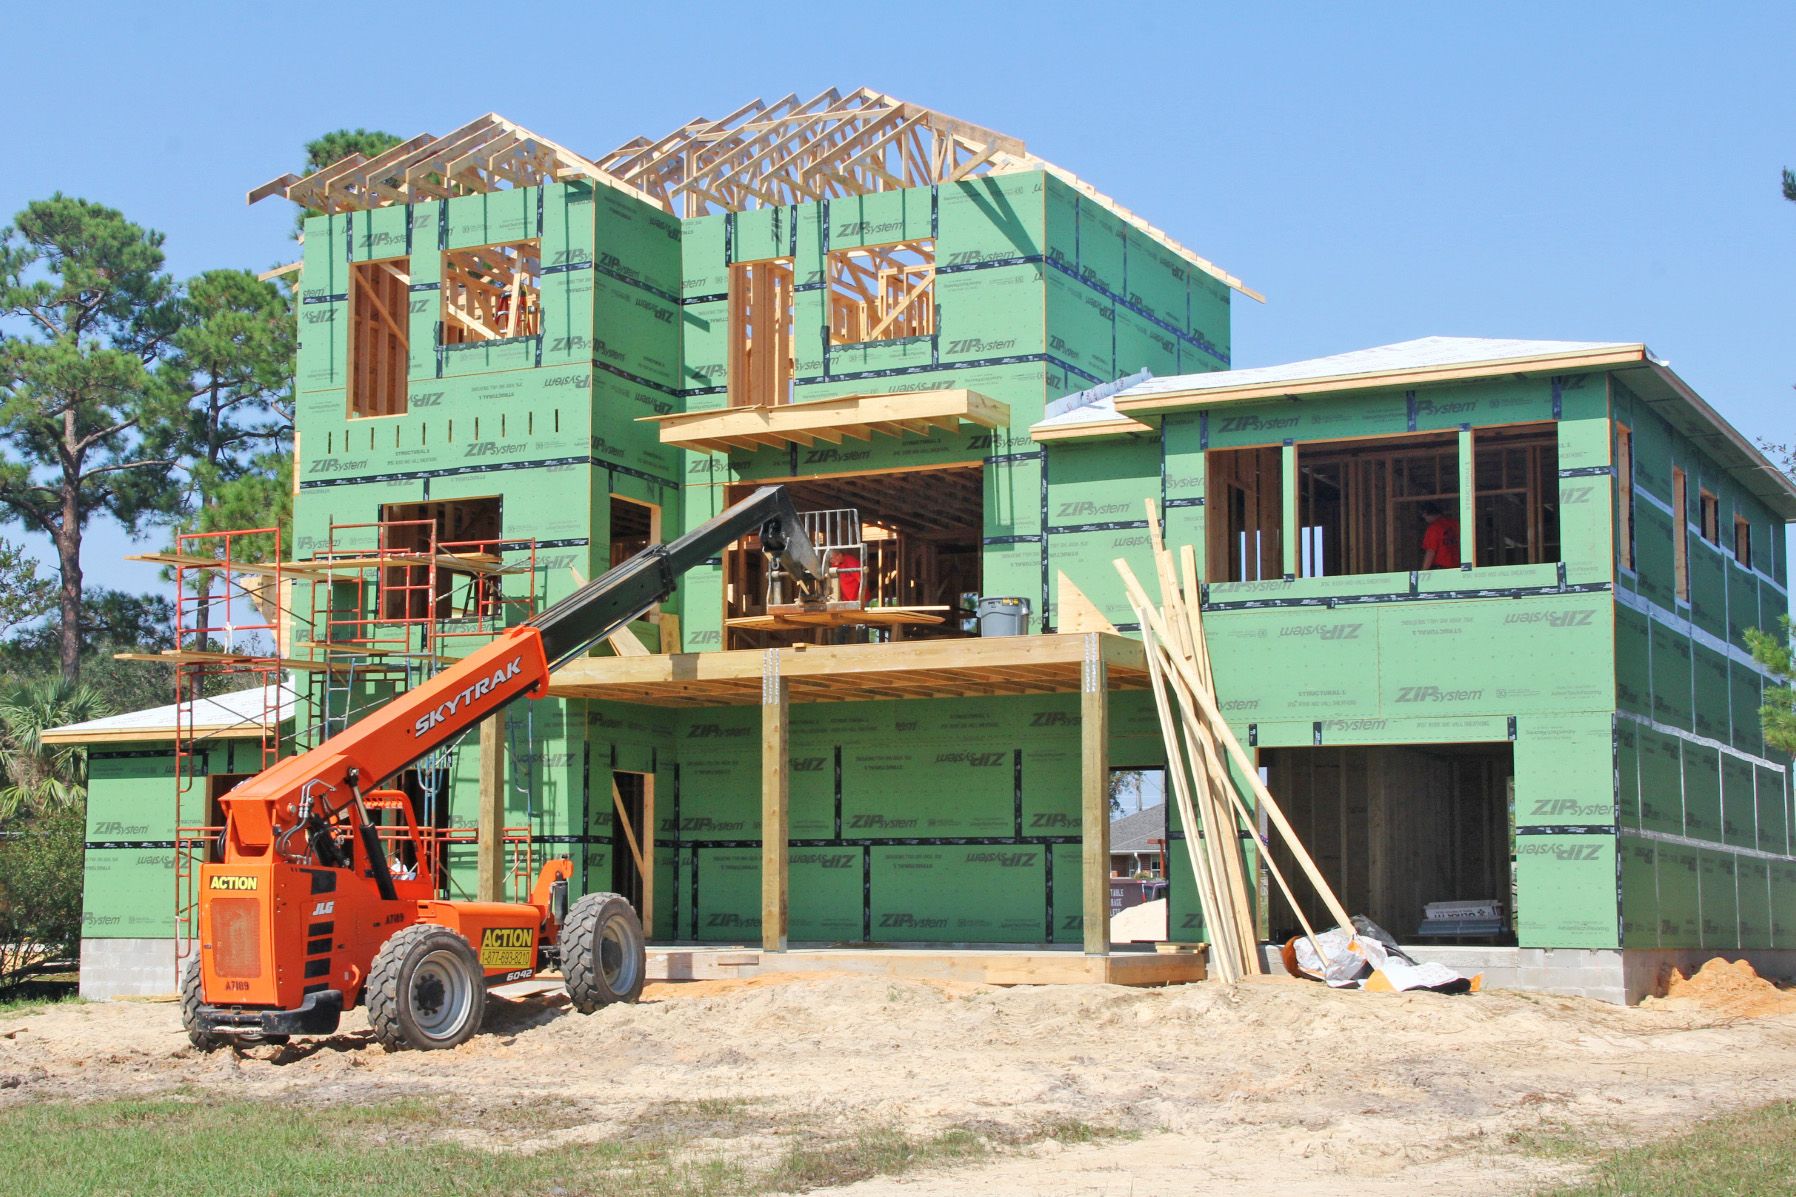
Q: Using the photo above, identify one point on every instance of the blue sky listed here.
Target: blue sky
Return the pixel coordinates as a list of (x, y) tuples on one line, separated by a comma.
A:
[(1577, 171)]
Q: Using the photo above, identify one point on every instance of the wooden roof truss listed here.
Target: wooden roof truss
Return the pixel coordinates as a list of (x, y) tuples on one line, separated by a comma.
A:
[(790, 151), (794, 151), (485, 155)]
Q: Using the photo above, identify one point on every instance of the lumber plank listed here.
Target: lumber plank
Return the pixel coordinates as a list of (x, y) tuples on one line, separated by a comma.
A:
[(489, 852), (1094, 789), (775, 803)]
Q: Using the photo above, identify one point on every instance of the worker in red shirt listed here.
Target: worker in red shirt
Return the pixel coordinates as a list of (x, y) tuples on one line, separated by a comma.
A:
[(848, 574), (1440, 539)]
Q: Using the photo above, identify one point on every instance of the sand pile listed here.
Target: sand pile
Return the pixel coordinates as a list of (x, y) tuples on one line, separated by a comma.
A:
[(1727, 987), (1145, 923)]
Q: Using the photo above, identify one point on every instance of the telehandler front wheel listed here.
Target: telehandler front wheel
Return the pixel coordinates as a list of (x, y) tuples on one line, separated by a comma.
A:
[(602, 956), (191, 998), (426, 989)]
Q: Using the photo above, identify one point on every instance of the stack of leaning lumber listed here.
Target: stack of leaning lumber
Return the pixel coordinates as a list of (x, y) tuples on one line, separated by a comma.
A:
[(1213, 802)]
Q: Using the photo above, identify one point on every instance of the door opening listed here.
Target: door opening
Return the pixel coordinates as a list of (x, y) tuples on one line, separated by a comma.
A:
[(631, 844), (1397, 827)]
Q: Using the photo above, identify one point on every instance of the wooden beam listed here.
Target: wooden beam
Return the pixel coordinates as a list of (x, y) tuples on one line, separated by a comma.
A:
[(489, 852), (775, 802), (1094, 788)]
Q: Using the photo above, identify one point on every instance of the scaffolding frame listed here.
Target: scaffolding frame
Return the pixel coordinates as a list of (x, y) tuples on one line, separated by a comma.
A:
[(387, 611)]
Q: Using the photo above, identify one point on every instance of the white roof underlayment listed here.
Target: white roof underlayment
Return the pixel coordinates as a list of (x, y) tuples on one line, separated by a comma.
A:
[(1098, 404), (241, 711)]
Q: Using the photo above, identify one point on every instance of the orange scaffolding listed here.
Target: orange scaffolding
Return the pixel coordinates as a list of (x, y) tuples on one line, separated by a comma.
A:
[(386, 600)]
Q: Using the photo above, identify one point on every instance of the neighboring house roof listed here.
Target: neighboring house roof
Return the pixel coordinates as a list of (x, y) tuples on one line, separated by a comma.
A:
[(789, 151), (1136, 832), (242, 714), (1112, 410)]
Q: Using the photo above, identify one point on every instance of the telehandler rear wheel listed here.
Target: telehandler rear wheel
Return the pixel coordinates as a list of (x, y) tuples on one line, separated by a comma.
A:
[(191, 998), (426, 989), (602, 956)]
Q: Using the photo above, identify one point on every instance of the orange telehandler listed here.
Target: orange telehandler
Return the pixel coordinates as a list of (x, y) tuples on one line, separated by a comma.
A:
[(305, 915)]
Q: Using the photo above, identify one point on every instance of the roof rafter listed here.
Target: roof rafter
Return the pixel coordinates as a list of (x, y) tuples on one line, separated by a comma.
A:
[(764, 154)]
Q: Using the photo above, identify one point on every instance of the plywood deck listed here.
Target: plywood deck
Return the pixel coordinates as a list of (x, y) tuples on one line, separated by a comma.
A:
[(989, 966), (876, 617), (1046, 664)]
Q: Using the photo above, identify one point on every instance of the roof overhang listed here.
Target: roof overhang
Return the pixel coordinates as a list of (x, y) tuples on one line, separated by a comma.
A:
[(74, 733), (1088, 430), (1046, 664), (1656, 384), (1650, 378), (1161, 402), (846, 417)]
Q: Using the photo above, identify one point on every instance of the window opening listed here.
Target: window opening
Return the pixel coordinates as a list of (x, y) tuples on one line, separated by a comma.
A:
[(1680, 533), (379, 337), (882, 292), (455, 526), (1711, 516), (1517, 497), (492, 292), (760, 368), (918, 546), (634, 527), (1379, 506), (1743, 541), (1244, 493)]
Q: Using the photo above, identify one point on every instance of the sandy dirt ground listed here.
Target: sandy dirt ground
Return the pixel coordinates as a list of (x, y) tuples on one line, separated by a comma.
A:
[(1272, 1086)]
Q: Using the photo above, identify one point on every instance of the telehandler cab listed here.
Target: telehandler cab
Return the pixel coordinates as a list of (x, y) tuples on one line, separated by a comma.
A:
[(305, 915)]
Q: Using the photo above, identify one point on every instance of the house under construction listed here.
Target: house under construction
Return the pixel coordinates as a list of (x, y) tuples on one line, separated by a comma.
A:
[(519, 365)]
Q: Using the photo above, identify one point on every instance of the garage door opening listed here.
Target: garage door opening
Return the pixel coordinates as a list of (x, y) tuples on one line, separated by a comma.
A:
[(917, 547), (1397, 827)]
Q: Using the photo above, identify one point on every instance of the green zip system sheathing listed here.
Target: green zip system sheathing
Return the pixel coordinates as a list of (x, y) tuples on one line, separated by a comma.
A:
[(1647, 810), (1702, 803)]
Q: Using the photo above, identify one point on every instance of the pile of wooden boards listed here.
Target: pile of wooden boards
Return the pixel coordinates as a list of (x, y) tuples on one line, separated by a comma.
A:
[(1213, 802)]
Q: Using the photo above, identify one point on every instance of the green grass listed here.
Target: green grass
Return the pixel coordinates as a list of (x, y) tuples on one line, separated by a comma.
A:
[(32, 1005), (227, 1148), (1749, 1154)]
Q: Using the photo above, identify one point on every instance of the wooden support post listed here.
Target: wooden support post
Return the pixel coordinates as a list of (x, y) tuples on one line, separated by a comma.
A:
[(1094, 778), (1468, 499), (1290, 535), (775, 786), (489, 885)]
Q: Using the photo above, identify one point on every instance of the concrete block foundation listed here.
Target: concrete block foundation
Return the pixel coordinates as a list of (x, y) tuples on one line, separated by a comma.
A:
[(115, 968)]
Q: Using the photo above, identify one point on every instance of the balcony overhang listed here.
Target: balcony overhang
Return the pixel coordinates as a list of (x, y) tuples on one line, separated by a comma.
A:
[(846, 417), (1044, 664)]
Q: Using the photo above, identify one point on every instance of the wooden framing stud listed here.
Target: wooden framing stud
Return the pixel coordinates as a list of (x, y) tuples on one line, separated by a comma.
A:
[(489, 852), (1094, 790), (775, 803)]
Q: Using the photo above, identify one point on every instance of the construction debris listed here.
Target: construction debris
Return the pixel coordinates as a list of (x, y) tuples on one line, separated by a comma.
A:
[(1219, 825)]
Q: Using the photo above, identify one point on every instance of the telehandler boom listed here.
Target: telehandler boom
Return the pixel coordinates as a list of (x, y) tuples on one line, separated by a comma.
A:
[(304, 915)]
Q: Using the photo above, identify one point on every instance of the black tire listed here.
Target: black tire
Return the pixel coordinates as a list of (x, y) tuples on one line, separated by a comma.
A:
[(602, 957), (426, 990), (191, 998)]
